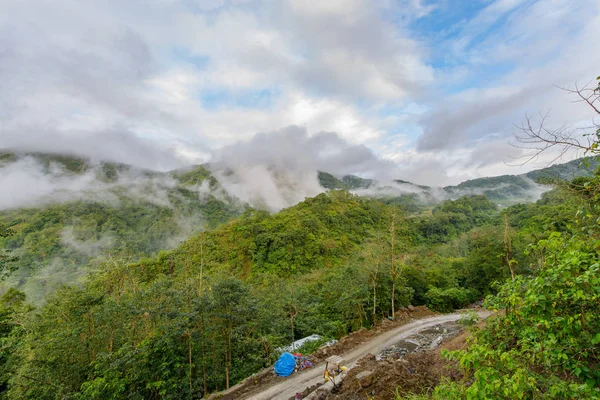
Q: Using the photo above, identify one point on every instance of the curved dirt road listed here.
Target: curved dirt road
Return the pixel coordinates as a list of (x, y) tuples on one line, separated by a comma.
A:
[(299, 381)]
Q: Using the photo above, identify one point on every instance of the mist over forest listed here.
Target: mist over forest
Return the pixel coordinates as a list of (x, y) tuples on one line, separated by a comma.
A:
[(190, 188)]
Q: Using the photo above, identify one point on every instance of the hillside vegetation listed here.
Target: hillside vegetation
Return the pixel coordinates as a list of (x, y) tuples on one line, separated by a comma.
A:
[(200, 317), (210, 312), (117, 211)]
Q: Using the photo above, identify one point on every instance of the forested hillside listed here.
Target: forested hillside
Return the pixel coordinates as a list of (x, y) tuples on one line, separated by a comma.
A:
[(93, 210), (545, 343), (210, 312), (185, 322), (511, 189), (504, 189), (69, 213)]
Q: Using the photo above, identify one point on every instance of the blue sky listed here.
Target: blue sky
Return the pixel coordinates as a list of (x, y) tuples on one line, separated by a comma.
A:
[(422, 90)]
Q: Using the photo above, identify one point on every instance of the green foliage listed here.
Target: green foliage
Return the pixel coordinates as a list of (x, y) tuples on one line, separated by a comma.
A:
[(195, 176), (410, 203), (468, 318), (63, 238), (348, 182), (356, 182), (320, 232), (547, 344), (329, 181), (185, 322), (7, 259), (13, 314), (70, 163), (453, 217), (448, 299)]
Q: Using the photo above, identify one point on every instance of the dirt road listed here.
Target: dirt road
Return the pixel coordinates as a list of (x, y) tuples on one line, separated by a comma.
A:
[(299, 381)]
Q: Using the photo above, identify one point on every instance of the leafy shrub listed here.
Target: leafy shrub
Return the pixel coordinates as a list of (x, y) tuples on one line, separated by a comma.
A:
[(468, 318), (312, 346), (548, 343), (446, 300)]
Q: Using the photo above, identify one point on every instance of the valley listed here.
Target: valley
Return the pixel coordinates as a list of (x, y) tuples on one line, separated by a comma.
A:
[(115, 278), (193, 190)]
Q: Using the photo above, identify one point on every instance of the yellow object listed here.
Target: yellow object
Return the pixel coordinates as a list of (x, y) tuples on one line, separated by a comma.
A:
[(335, 369)]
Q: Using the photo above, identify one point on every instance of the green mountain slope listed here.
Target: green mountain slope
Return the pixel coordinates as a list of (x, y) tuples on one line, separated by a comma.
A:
[(119, 211), (212, 311), (504, 189), (231, 295), (512, 189), (347, 182), (101, 209)]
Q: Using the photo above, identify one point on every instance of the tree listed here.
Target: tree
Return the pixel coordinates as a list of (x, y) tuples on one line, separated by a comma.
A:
[(508, 252), (393, 270), (232, 309), (538, 138), (372, 259), (6, 258)]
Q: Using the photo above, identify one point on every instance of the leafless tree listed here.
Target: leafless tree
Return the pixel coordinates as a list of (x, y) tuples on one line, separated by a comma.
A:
[(537, 138)]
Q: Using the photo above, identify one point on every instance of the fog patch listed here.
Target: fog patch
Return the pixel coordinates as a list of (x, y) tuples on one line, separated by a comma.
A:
[(187, 226), (529, 191), (47, 279), (269, 187), (31, 184), (27, 184), (278, 169), (90, 247)]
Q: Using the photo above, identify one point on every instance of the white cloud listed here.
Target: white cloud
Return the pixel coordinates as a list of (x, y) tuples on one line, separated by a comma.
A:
[(544, 43), (74, 72)]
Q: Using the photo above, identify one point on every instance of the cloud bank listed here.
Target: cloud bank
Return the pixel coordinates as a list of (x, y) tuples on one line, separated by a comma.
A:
[(434, 87), (31, 184), (278, 169)]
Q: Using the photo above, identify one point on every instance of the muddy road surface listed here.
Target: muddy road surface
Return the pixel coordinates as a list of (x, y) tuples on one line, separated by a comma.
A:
[(299, 381)]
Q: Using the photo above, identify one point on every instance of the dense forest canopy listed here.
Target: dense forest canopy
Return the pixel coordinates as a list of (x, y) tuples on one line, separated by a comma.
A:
[(188, 188), (187, 321)]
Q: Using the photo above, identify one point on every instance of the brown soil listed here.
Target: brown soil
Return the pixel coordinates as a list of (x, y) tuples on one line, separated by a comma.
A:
[(417, 373), (349, 342), (267, 377)]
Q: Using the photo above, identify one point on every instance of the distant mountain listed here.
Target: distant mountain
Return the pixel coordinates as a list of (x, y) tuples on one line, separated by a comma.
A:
[(347, 182), (512, 189), (585, 166), (505, 189), (66, 211)]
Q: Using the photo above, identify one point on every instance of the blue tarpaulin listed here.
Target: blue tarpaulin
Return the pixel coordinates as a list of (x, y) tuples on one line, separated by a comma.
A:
[(285, 365)]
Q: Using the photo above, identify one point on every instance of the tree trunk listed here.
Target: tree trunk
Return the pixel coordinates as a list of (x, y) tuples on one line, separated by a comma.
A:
[(203, 359), (292, 322), (112, 338), (393, 305), (374, 302), (227, 359), (226, 369), (201, 262), (393, 270), (508, 248), (214, 357), (190, 361)]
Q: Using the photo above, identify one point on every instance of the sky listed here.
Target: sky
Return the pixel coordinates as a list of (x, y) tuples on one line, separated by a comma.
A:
[(427, 91)]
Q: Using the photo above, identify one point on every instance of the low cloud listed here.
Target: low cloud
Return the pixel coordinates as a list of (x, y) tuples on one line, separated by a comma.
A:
[(278, 169), (33, 184), (111, 145), (90, 247)]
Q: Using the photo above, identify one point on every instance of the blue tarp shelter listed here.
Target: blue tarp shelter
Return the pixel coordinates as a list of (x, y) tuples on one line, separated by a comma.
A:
[(285, 365)]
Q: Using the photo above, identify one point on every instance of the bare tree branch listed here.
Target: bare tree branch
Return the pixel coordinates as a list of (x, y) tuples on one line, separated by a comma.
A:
[(538, 137)]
